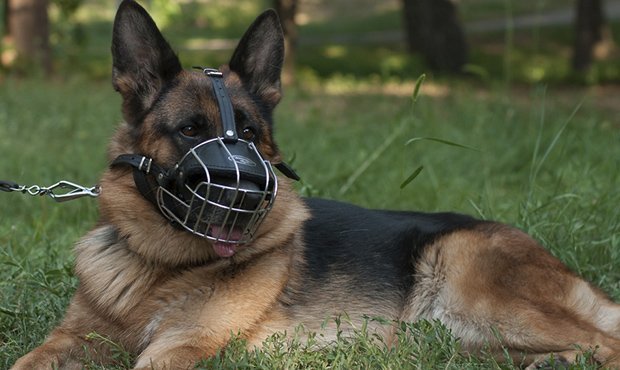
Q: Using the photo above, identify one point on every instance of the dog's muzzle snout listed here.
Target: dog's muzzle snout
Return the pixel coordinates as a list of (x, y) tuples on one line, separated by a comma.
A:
[(248, 199), (220, 186), (242, 194)]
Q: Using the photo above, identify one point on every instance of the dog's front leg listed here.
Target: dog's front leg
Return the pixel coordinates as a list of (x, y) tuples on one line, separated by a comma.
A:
[(197, 325), (59, 351), (67, 346), (180, 357)]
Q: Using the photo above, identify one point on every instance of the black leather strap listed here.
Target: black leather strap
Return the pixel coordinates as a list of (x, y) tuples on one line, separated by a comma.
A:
[(140, 162), (145, 187), (8, 185), (287, 171), (143, 164), (142, 168), (223, 101), (228, 116)]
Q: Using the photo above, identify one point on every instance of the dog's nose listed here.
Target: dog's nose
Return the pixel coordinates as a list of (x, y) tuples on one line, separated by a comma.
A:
[(245, 194)]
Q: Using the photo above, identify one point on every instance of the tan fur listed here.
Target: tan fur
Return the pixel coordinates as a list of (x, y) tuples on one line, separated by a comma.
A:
[(496, 285)]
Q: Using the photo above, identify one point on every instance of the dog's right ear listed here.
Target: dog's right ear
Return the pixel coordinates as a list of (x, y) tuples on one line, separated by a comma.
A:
[(142, 60), (259, 56)]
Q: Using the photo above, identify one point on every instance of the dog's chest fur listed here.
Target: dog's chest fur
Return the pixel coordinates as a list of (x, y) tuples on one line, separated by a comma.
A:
[(144, 300)]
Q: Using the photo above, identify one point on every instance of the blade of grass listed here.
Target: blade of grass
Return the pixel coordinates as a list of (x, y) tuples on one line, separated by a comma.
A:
[(537, 165), (373, 157), (416, 89), (556, 138), (417, 171), (415, 174), (386, 143), (442, 141)]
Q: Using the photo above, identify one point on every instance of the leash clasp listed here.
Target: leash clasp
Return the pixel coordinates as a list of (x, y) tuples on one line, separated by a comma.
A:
[(71, 190), (74, 191)]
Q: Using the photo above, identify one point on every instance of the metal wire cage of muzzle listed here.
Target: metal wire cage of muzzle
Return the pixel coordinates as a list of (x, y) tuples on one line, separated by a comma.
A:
[(222, 191)]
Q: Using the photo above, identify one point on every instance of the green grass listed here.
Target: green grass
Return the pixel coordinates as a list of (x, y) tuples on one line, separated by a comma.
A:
[(547, 161)]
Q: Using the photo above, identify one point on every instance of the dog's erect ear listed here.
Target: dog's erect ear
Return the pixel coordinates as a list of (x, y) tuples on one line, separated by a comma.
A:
[(259, 57), (142, 59)]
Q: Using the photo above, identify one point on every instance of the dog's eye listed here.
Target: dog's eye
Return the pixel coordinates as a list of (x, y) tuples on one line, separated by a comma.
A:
[(189, 131), (248, 133)]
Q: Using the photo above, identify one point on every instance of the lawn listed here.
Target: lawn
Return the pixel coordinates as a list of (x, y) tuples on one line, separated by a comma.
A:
[(544, 158)]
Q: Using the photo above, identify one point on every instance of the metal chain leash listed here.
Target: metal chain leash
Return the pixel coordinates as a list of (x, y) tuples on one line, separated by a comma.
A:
[(61, 191)]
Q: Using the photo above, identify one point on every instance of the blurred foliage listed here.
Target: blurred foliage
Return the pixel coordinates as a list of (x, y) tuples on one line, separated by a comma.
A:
[(362, 40), (67, 33), (67, 7), (165, 11)]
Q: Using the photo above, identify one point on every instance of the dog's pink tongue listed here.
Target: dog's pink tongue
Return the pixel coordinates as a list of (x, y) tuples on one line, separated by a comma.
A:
[(224, 249)]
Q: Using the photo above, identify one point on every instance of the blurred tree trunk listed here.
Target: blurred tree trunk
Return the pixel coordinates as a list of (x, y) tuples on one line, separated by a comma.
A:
[(432, 28), (590, 33), (5, 16), (286, 11), (28, 31)]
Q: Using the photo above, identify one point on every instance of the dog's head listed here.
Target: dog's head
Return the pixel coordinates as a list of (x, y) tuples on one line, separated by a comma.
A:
[(160, 97), (172, 116)]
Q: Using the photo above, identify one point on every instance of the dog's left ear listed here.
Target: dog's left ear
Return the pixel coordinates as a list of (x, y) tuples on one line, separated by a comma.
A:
[(259, 56)]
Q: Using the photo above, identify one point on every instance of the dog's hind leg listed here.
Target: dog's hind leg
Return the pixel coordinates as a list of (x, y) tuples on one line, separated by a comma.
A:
[(496, 287), (603, 313)]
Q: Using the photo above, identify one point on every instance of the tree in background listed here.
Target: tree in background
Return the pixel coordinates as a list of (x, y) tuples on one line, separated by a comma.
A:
[(591, 33), (286, 10), (433, 29), (27, 33)]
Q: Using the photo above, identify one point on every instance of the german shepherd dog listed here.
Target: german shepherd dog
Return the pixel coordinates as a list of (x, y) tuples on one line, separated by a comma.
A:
[(199, 240)]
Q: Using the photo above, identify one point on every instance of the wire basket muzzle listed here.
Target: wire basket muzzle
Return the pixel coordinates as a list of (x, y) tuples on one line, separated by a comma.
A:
[(220, 190)]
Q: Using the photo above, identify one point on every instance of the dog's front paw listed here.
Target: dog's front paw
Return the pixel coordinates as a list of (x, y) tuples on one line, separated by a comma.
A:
[(36, 360), (51, 355), (181, 357), (552, 362)]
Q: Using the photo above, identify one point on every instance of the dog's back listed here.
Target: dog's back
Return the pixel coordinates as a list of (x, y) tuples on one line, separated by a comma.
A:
[(360, 262), (377, 249)]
